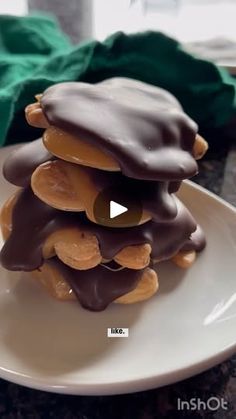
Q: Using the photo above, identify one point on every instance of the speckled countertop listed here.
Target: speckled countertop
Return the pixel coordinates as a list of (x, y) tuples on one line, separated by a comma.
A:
[(217, 173), (17, 402)]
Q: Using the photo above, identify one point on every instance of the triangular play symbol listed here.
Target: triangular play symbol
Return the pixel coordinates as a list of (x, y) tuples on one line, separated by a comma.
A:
[(116, 209)]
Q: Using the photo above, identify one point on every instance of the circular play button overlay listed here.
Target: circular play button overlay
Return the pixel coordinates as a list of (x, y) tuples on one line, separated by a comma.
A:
[(114, 208)]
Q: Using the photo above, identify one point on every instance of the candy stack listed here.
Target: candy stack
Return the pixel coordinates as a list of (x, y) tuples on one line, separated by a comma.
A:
[(95, 208)]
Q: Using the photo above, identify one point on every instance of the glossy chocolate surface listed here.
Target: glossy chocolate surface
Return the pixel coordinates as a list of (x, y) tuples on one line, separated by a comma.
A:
[(96, 288), (197, 241), (21, 163), (153, 197), (143, 127), (33, 222)]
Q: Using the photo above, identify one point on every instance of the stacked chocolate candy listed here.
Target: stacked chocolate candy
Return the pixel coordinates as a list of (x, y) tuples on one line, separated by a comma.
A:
[(119, 142)]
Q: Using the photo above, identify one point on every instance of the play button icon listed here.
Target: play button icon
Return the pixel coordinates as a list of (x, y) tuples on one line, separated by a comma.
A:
[(115, 207)]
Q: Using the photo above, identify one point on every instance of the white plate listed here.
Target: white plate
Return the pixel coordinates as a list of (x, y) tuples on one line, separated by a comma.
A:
[(187, 327)]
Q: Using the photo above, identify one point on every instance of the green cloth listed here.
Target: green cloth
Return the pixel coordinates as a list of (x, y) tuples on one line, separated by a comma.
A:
[(35, 54)]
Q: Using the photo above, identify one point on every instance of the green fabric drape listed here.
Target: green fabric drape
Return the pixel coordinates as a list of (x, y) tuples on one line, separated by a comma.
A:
[(35, 53)]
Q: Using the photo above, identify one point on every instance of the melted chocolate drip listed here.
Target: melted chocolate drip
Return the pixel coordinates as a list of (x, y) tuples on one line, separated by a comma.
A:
[(33, 221), (154, 197), (96, 288), (146, 130), (197, 241), (143, 127), (20, 165)]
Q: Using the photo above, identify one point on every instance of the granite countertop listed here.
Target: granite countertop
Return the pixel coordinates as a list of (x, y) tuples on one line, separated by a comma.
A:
[(218, 174)]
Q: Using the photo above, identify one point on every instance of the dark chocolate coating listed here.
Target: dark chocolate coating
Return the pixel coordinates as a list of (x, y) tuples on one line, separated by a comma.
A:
[(143, 127), (153, 196), (197, 241), (33, 221), (96, 288), (21, 163)]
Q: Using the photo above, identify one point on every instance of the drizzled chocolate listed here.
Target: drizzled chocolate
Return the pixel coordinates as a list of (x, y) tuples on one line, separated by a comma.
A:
[(20, 164), (96, 288), (154, 197), (143, 127), (33, 221)]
